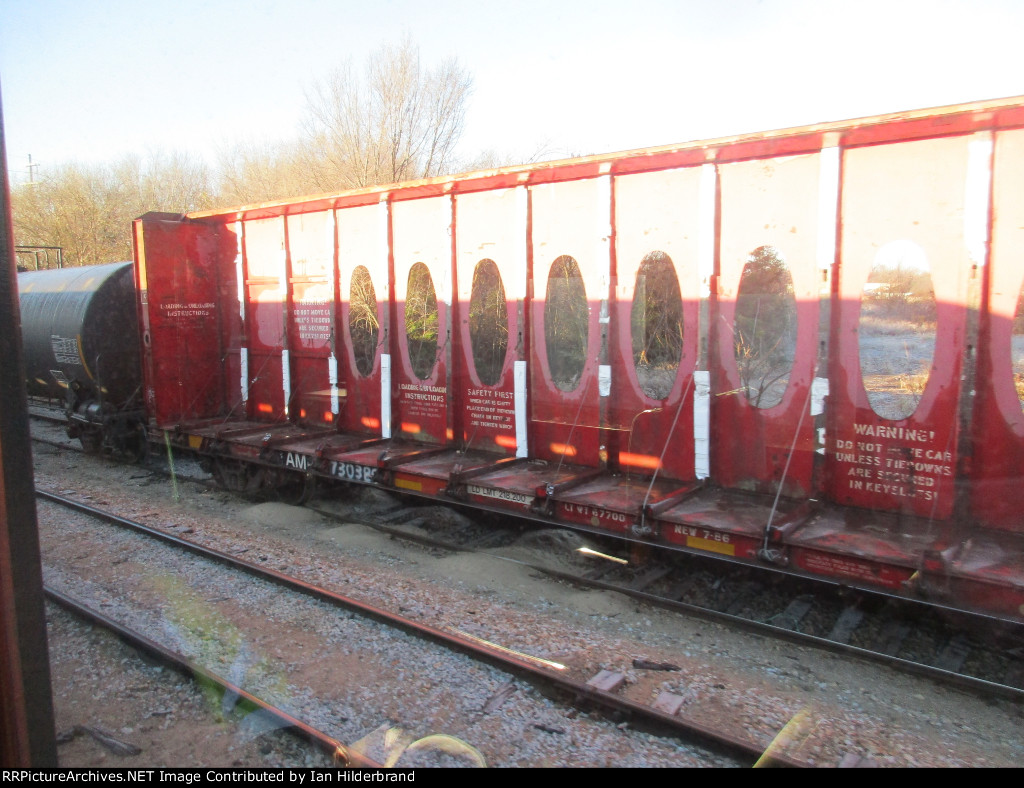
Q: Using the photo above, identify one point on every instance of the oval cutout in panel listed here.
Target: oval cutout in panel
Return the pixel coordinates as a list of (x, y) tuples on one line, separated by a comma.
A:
[(656, 325), (421, 321), (566, 323), (363, 324), (488, 322), (764, 337), (896, 332)]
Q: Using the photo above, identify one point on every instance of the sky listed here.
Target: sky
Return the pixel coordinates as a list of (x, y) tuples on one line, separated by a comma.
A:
[(93, 80)]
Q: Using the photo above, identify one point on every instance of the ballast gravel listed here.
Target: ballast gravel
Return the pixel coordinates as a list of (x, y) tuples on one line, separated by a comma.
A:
[(358, 682)]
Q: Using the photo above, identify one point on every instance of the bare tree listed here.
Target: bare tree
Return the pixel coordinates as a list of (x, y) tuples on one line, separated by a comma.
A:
[(566, 323), (492, 159), (252, 172), (88, 210), (393, 121), (363, 323), (173, 181), (764, 339)]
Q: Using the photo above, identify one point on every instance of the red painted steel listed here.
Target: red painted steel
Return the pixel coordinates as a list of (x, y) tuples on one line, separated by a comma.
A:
[(490, 229), (997, 451), (569, 223), (620, 504), (422, 242), (909, 192), (181, 309), (730, 523), (651, 435), (985, 573), (363, 244), (876, 549), (266, 293), (312, 322), (767, 204), (823, 476)]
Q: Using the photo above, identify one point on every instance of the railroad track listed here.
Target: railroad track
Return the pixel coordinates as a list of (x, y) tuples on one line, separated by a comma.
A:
[(974, 652), (723, 744), (835, 688), (248, 703), (47, 411)]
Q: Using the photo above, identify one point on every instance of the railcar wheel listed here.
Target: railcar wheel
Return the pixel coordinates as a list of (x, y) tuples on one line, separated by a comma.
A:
[(92, 441), (237, 477), (296, 489), (133, 446)]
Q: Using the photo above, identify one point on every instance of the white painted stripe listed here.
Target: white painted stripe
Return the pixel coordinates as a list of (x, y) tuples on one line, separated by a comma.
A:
[(240, 272), (243, 363), (976, 198), (519, 377), (702, 423), (282, 267), (332, 376), (604, 379), (385, 358), (385, 395), (819, 390), (707, 207), (286, 380)]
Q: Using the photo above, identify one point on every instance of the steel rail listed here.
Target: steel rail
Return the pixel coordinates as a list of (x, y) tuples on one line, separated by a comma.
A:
[(521, 665), (949, 677), (960, 680), (982, 617), (326, 744), (963, 681)]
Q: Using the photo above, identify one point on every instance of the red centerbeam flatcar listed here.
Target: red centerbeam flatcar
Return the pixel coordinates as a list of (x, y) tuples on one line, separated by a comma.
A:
[(801, 347)]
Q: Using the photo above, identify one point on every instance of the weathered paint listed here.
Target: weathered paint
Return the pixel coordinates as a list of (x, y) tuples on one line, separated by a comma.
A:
[(803, 480)]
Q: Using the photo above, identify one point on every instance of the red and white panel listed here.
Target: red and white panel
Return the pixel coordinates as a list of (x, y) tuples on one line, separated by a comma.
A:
[(266, 296), (998, 444), (422, 237), (765, 324), (895, 384), (657, 217), (570, 220), (364, 257), (491, 226), (313, 372)]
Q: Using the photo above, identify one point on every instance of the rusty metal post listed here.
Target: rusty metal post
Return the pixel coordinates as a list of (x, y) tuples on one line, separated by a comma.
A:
[(26, 705)]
